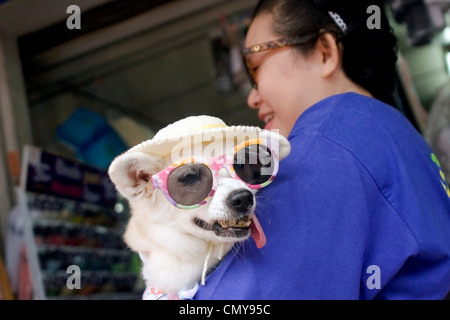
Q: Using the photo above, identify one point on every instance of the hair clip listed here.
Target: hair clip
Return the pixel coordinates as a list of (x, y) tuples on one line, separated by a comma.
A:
[(338, 20)]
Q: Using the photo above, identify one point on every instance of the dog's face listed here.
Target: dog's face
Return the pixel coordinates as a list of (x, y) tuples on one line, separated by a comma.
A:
[(226, 217)]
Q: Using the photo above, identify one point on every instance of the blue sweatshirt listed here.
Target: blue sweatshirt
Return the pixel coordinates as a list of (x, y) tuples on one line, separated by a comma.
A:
[(360, 209)]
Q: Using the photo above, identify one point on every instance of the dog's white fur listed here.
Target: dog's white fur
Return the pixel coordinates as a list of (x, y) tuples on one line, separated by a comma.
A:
[(173, 249)]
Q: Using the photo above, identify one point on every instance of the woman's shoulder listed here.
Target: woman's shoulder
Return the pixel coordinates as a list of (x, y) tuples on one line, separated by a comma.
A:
[(348, 112), (360, 128), (357, 123), (351, 109)]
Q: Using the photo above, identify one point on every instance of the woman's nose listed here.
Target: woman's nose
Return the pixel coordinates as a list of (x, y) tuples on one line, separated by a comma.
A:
[(253, 99)]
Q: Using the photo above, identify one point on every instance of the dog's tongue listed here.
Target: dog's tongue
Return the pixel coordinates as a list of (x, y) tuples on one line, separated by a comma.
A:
[(257, 233)]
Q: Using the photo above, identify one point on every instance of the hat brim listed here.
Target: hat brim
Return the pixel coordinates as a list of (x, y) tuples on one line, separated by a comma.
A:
[(167, 146)]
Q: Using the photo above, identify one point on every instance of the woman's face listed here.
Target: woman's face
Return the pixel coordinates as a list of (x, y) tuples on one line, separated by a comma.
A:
[(287, 81)]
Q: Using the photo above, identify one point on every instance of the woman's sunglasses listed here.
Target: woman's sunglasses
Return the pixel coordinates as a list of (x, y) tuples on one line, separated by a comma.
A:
[(270, 45), (190, 183)]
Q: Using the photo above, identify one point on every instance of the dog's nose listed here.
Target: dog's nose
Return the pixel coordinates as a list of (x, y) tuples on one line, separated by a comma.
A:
[(240, 200)]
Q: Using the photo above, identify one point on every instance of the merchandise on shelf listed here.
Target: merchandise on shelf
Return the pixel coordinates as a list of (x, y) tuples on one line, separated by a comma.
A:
[(73, 231)]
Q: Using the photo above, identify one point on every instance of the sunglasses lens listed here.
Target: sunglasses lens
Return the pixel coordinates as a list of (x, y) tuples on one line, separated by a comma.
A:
[(190, 184), (250, 74), (254, 164)]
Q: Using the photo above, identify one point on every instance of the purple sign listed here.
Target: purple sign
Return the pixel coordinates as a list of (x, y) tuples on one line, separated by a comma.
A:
[(47, 173)]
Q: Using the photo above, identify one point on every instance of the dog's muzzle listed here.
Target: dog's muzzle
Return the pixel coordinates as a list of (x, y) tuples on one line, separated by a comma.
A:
[(240, 204)]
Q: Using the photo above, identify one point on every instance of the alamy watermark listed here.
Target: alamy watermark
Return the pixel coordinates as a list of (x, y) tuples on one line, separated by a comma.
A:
[(74, 20), (373, 21), (74, 280), (374, 280)]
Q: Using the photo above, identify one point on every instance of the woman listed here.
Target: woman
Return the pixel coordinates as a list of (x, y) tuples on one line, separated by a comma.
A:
[(360, 208)]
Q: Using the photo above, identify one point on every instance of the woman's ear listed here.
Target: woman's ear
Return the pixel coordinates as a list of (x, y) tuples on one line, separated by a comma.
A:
[(329, 53)]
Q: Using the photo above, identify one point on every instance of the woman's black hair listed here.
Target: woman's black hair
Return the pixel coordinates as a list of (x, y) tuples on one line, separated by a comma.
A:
[(369, 54)]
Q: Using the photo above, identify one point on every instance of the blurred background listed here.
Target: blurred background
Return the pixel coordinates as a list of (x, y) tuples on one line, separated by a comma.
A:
[(82, 81)]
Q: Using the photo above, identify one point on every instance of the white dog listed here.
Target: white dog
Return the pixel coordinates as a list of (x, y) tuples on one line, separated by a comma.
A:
[(191, 191)]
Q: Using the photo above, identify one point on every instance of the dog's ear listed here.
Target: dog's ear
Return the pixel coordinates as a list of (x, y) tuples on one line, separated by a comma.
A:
[(131, 172), (285, 147)]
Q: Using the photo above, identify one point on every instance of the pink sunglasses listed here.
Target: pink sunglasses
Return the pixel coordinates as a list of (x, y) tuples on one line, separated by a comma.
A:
[(192, 182)]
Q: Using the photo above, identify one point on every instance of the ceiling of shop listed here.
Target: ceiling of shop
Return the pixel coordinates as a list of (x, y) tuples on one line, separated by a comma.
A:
[(19, 17), (152, 63), (149, 59), (99, 17)]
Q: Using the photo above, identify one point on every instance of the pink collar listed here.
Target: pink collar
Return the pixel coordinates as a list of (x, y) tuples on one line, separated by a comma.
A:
[(151, 293)]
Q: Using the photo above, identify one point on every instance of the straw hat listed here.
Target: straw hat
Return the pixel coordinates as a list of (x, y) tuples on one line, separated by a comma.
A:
[(197, 129)]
